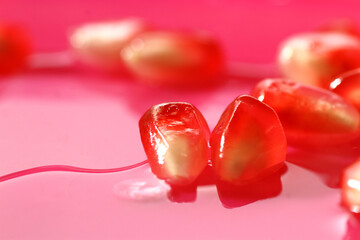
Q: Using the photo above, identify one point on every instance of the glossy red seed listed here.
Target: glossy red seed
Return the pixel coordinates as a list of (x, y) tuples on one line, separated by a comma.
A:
[(175, 59), (175, 138), (317, 58), (310, 116), (248, 143), (350, 187), (100, 44), (14, 48), (347, 86)]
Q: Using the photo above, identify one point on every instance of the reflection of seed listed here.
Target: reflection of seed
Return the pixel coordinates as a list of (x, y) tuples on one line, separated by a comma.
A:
[(141, 190)]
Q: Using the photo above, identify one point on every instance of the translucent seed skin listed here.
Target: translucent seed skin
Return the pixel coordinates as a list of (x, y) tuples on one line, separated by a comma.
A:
[(317, 58), (310, 116), (15, 48), (248, 143), (347, 86), (100, 44), (174, 59), (350, 187), (175, 138)]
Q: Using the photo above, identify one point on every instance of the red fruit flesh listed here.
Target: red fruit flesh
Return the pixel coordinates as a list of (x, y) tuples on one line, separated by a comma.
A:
[(310, 116), (248, 143), (14, 48), (350, 187), (347, 86), (175, 138), (175, 59), (100, 44), (317, 58)]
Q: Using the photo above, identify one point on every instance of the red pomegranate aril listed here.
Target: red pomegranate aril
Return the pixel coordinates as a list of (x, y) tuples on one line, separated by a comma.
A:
[(14, 48), (350, 187), (317, 58), (100, 43), (347, 86), (175, 59), (310, 116), (175, 138), (248, 143)]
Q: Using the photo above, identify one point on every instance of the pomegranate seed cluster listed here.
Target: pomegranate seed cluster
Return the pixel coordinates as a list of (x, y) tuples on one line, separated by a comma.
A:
[(178, 142), (315, 106), (329, 59)]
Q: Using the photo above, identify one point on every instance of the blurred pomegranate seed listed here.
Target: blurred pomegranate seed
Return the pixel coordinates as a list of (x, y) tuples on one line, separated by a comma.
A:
[(350, 187), (14, 48), (175, 59), (100, 44), (347, 86), (310, 116), (317, 58)]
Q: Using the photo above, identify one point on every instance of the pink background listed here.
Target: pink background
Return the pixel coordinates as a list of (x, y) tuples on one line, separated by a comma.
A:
[(83, 118)]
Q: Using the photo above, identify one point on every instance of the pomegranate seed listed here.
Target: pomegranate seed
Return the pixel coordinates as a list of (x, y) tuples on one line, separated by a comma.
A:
[(347, 86), (100, 44), (175, 59), (317, 58), (14, 48), (310, 115), (248, 143), (175, 138), (350, 187)]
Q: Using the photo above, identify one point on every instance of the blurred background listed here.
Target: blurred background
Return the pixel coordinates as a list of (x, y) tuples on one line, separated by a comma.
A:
[(249, 30)]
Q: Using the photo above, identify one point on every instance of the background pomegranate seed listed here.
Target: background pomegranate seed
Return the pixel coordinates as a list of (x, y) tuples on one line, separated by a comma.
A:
[(310, 116), (100, 44), (317, 58), (175, 59), (347, 86), (14, 48)]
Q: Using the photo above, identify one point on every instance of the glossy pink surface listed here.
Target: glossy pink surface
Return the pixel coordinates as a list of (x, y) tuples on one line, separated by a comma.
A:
[(78, 117)]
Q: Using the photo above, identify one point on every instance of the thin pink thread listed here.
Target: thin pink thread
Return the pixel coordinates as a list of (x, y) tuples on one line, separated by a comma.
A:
[(65, 168)]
